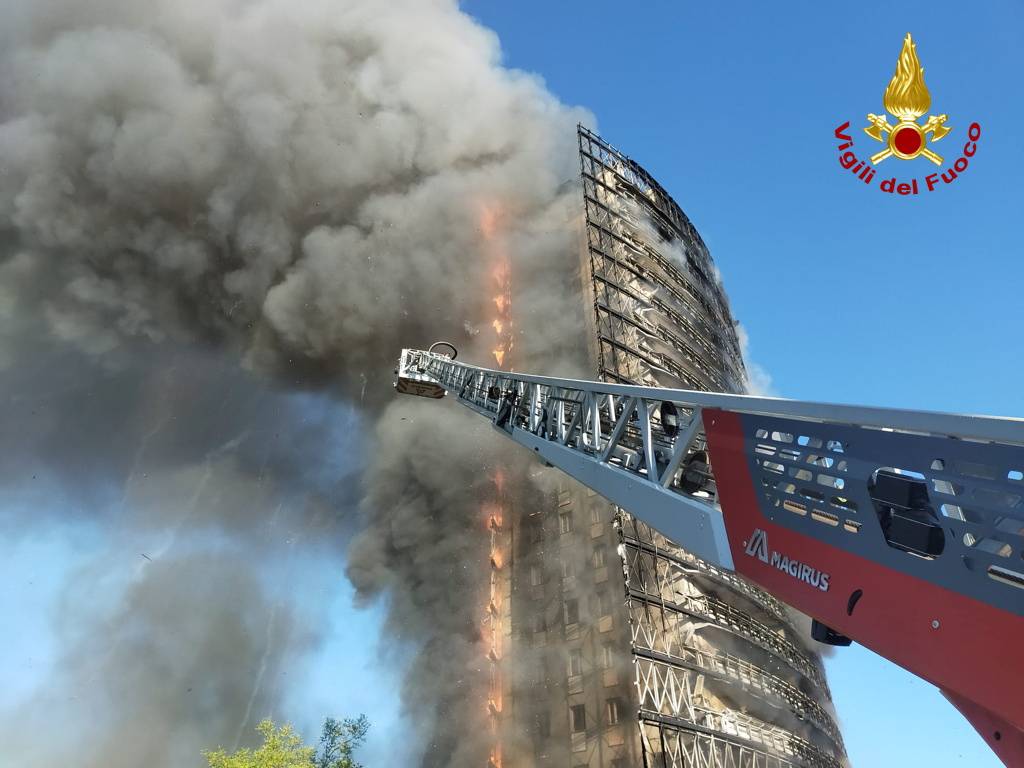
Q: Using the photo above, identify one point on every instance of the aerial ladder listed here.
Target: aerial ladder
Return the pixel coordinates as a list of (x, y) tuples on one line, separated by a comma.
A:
[(901, 530)]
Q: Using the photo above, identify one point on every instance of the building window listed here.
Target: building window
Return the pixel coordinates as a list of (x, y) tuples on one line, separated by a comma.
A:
[(575, 662), (568, 569), (539, 622), (606, 656), (603, 604), (599, 556), (539, 673), (536, 576), (543, 729), (612, 709), (565, 522), (578, 718), (572, 612), (595, 513)]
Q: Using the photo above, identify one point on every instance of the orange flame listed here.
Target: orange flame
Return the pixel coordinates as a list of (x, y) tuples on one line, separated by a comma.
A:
[(498, 281), (492, 221), (907, 96)]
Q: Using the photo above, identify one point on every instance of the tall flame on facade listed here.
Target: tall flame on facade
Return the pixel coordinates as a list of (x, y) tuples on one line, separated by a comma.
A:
[(494, 514), (906, 96), (502, 323), (490, 225)]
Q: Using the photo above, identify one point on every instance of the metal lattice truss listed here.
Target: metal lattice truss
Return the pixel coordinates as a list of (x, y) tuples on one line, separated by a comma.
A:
[(640, 535), (632, 445), (657, 579), (586, 424), (679, 694), (661, 633), (678, 566), (669, 746)]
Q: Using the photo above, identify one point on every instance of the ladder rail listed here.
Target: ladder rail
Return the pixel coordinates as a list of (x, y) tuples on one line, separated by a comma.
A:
[(964, 426), (635, 445)]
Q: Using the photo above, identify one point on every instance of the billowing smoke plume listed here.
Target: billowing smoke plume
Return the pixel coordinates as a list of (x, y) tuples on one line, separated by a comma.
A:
[(196, 199)]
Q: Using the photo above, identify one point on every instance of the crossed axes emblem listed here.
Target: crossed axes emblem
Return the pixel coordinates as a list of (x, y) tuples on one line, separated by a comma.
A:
[(935, 125)]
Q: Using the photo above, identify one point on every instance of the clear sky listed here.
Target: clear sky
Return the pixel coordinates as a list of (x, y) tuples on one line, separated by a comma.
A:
[(848, 294)]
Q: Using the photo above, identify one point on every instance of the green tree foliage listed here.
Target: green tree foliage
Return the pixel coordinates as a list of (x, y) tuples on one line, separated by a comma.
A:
[(339, 740), (283, 748)]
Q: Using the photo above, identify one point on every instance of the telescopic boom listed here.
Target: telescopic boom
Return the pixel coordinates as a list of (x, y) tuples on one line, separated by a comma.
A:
[(902, 530)]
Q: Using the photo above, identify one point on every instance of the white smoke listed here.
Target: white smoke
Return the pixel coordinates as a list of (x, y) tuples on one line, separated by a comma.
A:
[(297, 188), (759, 380)]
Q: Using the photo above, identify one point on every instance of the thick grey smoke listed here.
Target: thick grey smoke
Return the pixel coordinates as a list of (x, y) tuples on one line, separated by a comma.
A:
[(304, 180), (198, 493), (195, 196)]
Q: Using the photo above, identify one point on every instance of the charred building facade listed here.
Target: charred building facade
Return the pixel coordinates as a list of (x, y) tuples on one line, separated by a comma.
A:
[(629, 651)]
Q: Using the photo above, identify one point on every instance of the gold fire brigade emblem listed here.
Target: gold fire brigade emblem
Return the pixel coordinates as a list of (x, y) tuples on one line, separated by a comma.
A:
[(906, 99)]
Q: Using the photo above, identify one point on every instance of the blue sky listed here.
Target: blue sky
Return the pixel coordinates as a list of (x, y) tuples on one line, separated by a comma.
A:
[(848, 294)]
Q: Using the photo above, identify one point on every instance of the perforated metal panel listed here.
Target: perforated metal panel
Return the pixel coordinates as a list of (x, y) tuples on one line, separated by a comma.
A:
[(814, 479)]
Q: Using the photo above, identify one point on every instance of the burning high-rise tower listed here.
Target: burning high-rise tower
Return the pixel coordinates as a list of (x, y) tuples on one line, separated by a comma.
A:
[(627, 650)]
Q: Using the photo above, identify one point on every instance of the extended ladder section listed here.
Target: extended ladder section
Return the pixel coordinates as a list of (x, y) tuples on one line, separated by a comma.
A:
[(903, 530)]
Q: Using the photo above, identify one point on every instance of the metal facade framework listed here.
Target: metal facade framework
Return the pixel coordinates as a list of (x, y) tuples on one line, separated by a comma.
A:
[(662, 318), (703, 640)]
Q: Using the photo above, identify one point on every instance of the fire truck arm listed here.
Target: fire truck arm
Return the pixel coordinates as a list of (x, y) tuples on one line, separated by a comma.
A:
[(902, 530)]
